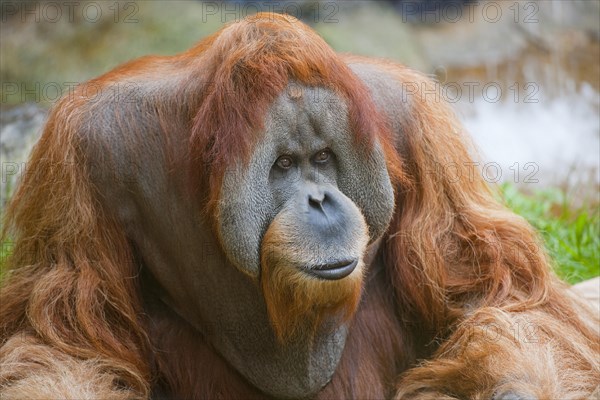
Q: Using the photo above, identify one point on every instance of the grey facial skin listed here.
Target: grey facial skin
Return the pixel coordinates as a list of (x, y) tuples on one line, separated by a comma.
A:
[(256, 193)]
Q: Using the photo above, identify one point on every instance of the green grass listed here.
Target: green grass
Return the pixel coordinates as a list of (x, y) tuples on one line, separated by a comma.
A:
[(571, 234)]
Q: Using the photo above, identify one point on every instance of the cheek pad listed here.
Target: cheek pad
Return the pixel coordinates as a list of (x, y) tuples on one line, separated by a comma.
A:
[(245, 210), (365, 180)]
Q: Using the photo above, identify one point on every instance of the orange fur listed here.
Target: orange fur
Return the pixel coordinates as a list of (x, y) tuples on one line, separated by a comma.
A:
[(72, 281), (33, 371), (456, 253)]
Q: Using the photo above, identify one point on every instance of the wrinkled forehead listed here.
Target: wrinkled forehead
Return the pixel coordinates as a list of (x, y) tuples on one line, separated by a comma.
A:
[(301, 113)]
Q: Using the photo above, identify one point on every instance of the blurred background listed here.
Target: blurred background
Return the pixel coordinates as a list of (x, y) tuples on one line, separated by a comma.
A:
[(523, 76)]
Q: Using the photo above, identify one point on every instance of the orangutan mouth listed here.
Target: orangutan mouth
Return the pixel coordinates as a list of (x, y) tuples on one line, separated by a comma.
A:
[(333, 271)]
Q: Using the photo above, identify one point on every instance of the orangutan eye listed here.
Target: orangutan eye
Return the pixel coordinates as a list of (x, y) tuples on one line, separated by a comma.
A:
[(284, 162), (323, 156)]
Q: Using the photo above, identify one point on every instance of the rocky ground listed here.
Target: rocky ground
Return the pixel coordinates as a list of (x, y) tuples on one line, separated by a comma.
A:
[(20, 127)]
